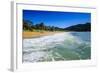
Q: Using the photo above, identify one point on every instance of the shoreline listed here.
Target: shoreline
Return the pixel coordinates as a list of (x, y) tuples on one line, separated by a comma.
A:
[(28, 34), (33, 34)]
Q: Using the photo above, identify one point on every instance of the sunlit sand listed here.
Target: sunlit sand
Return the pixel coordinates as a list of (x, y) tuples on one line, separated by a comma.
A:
[(29, 34)]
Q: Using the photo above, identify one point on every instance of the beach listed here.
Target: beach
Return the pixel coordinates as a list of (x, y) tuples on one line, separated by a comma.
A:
[(29, 34)]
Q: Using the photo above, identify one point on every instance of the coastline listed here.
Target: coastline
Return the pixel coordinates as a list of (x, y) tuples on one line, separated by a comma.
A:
[(28, 34)]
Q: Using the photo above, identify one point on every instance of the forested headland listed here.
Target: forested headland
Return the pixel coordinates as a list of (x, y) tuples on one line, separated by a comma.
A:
[(30, 26)]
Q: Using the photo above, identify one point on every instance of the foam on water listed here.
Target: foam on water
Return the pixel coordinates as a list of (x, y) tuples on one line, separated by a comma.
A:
[(60, 46)]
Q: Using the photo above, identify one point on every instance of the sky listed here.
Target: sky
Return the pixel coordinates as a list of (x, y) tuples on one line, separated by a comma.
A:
[(55, 18)]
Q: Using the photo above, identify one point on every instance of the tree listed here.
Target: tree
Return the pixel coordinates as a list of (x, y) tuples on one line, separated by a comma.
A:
[(41, 26), (27, 25)]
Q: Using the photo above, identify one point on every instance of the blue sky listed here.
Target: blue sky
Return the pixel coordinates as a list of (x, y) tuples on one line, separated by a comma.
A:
[(58, 19)]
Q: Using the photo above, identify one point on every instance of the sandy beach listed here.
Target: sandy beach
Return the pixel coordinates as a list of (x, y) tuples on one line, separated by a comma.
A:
[(28, 34)]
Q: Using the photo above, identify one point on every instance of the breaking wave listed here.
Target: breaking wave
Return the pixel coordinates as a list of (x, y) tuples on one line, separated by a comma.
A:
[(60, 46)]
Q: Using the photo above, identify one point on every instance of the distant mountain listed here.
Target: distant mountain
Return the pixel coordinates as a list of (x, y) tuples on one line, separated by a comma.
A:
[(79, 27)]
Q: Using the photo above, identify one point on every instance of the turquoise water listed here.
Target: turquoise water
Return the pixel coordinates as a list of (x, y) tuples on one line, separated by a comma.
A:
[(58, 47)]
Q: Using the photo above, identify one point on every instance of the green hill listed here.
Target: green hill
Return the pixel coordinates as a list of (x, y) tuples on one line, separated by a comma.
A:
[(79, 27)]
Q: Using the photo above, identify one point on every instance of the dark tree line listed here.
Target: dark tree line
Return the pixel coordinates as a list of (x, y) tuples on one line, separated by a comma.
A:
[(28, 25)]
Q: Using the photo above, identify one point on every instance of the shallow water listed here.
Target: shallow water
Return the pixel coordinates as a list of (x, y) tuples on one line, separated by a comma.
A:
[(57, 47)]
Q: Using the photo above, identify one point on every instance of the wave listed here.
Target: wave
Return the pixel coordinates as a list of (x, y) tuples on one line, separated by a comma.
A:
[(60, 46)]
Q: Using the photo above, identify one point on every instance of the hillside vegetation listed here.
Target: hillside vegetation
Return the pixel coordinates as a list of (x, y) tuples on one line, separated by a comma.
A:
[(30, 26)]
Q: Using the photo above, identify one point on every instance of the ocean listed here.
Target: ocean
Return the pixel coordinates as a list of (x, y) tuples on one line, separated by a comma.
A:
[(63, 46)]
